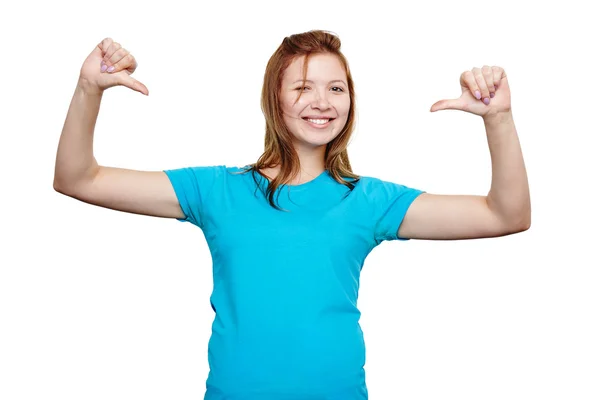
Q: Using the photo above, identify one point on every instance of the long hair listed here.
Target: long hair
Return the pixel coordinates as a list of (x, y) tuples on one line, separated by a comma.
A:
[(279, 149)]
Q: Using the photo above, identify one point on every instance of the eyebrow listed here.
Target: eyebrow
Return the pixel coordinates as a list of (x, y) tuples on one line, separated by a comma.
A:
[(334, 81)]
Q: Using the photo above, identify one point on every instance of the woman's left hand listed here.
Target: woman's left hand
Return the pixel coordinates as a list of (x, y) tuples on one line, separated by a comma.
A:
[(480, 85)]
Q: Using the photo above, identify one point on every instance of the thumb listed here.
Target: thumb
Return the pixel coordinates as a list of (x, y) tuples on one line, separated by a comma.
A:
[(134, 84), (452, 104)]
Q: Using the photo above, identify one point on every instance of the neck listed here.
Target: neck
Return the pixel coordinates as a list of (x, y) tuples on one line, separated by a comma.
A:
[(312, 164), (312, 161)]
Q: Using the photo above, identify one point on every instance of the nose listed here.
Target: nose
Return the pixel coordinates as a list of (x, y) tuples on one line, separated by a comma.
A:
[(320, 101)]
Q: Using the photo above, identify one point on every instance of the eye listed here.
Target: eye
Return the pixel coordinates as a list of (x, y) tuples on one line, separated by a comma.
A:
[(337, 87), (302, 87)]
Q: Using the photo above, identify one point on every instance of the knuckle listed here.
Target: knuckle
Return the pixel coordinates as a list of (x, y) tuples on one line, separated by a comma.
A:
[(102, 44), (106, 43)]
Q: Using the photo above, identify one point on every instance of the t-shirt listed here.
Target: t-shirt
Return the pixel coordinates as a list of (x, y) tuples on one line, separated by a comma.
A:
[(285, 283)]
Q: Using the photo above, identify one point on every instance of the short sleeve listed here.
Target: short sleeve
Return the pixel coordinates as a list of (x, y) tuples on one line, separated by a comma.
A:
[(391, 202), (193, 187)]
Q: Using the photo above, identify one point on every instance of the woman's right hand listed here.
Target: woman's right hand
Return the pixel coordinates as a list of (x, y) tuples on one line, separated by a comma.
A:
[(106, 54)]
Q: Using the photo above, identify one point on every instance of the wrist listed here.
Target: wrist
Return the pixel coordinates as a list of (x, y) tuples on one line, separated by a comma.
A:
[(88, 88), (498, 117)]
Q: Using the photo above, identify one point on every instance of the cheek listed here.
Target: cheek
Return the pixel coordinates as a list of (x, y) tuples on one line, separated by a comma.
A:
[(300, 105), (292, 108), (344, 106)]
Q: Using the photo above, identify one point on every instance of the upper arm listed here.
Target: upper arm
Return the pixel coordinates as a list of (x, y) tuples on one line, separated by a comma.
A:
[(447, 217), (139, 192)]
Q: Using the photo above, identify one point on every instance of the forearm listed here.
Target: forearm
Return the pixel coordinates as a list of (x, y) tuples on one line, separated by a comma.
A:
[(75, 156), (509, 193)]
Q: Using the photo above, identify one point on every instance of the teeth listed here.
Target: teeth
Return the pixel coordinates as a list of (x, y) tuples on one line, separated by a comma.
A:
[(318, 121)]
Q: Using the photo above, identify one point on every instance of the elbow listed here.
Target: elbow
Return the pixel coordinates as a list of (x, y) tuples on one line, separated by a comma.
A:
[(519, 220), (515, 223), (523, 226), (69, 184), (56, 186), (62, 188), (520, 224), (527, 222)]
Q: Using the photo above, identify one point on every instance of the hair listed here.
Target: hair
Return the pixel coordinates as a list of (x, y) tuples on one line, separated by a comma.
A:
[(279, 149)]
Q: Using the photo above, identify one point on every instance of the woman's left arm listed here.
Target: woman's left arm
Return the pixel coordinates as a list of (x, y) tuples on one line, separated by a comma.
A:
[(507, 207)]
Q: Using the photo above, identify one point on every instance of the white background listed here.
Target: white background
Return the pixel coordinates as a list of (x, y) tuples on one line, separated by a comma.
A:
[(100, 304)]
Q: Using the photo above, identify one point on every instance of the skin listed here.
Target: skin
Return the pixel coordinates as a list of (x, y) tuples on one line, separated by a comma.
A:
[(324, 94), (506, 209)]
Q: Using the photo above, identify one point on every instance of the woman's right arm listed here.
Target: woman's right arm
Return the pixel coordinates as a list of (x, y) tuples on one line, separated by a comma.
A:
[(78, 175)]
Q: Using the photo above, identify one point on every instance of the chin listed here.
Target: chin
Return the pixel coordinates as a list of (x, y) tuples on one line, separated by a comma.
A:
[(313, 140)]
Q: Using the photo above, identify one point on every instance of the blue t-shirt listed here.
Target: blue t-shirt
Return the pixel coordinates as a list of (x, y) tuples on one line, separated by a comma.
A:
[(285, 283)]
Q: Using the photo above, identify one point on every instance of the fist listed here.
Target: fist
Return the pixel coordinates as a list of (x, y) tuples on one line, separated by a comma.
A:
[(485, 92), (108, 65)]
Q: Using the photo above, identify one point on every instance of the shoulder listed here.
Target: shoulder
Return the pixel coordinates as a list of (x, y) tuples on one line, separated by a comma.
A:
[(369, 183), (218, 170), (373, 182), (239, 172), (378, 190), (204, 174)]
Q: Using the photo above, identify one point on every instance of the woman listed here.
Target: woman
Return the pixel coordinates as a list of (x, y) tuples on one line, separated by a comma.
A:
[(289, 234)]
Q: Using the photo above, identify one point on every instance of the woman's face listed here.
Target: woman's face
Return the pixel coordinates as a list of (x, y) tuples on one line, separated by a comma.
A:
[(322, 110)]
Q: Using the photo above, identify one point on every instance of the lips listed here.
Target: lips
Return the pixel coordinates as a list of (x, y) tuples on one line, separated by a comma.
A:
[(317, 117), (319, 123), (318, 120)]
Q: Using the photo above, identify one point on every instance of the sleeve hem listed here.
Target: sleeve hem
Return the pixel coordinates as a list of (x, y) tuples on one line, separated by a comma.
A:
[(179, 192), (398, 214)]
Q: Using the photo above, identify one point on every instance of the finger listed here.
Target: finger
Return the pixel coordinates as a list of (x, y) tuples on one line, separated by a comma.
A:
[(132, 83), (100, 47), (117, 56), (114, 46), (485, 93), (498, 75), (128, 62), (104, 45), (488, 75), (467, 79), (451, 104)]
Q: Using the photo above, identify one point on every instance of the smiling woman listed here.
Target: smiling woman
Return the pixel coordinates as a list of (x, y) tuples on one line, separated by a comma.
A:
[(287, 263), (309, 108), (319, 120), (316, 104)]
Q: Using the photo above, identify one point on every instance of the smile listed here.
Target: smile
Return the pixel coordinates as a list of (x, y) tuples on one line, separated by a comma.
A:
[(318, 123)]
